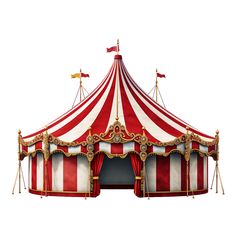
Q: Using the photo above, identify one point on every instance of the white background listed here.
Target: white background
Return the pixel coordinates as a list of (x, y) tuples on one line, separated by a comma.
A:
[(43, 42)]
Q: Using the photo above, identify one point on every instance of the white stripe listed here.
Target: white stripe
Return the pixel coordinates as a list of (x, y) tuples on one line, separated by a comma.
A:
[(203, 148), (120, 108), (31, 148), (138, 91), (180, 147), (72, 116), (105, 147), (175, 172), (128, 147), (193, 171), (76, 149), (151, 174), (57, 172), (205, 167), (20, 147), (52, 147), (159, 150), (30, 172), (82, 174), (144, 119), (83, 126), (40, 176)]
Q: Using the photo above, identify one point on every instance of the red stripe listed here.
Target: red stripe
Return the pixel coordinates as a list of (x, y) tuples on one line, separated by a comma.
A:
[(170, 148), (117, 148), (207, 170), (70, 173), (136, 147), (211, 148), (183, 174), (83, 149), (162, 173), (195, 145), (24, 148), (63, 148), (34, 172), (155, 118), (96, 147), (157, 106), (200, 173), (101, 122), (74, 109), (38, 145)]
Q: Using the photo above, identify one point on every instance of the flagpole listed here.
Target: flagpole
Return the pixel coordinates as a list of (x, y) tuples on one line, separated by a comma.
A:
[(156, 85), (80, 86), (118, 47)]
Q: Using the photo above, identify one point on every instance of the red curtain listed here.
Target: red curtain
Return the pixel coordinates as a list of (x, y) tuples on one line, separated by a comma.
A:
[(137, 165), (96, 166)]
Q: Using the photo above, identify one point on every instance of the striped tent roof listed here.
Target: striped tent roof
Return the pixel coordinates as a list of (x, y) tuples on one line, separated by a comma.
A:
[(118, 97)]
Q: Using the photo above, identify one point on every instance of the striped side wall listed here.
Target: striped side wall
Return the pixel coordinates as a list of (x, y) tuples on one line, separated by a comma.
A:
[(64, 173), (169, 173)]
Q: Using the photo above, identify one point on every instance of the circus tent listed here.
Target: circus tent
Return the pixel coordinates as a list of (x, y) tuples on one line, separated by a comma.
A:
[(118, 120)]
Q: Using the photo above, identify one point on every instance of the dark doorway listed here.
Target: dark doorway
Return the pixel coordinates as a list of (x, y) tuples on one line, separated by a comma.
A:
[(117, 173)]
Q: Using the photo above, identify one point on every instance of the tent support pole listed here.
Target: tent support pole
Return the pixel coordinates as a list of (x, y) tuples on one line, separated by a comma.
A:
[(46, 157), (216, 173), (19, 173), (144, 176), (187, 157), (156, 86), (187, 175)]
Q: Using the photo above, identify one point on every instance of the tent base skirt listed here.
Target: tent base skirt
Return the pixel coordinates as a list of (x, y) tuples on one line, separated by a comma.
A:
[(175, 194), (60, 194)]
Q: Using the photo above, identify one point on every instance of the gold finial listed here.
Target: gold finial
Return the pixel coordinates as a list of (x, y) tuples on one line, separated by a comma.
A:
[(80, 70), (217, 132), (19, 132)]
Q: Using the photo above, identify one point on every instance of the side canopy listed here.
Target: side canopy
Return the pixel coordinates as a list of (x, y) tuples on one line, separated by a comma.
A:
[(117, 118)]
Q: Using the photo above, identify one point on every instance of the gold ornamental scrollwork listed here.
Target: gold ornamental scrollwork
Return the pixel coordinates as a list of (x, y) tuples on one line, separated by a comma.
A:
[(117, 133)]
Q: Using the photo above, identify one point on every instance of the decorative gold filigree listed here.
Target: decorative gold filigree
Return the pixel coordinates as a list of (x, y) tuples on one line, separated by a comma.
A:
[(117, 133), (36, 139), (187, 145), (57, 141)]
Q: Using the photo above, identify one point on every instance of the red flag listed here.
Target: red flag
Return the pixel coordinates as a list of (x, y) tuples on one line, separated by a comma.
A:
[(160, 75), (113, 49), (84, 75)]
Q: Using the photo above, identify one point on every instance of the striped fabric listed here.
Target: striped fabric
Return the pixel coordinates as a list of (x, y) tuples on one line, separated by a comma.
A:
[(135, 110), (168, 174), (114, 148), (64, 174)]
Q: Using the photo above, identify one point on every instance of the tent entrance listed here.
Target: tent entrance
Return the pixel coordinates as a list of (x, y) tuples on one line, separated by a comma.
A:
[(117, 173)]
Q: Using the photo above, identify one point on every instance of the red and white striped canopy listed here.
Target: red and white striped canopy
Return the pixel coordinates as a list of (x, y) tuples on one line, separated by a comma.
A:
[(118, 96)]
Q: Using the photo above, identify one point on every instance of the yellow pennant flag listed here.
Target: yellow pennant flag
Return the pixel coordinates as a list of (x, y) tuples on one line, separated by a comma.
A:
[(77, 75)]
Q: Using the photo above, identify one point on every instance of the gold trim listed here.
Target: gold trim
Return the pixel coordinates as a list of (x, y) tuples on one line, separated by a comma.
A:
[(57, 141), (187, 145), (138, 177), (179, 191), (95, 177), (36, 139), (54, 191), (117, 133)]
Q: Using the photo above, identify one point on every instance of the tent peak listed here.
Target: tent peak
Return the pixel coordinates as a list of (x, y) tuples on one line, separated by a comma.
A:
[(119, 57)]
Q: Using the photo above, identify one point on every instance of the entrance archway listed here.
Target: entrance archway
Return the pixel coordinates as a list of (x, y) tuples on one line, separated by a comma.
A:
[(117, 173)]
